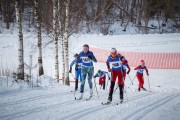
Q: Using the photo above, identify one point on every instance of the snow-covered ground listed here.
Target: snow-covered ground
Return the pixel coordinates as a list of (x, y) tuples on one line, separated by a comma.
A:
[(53, 101)]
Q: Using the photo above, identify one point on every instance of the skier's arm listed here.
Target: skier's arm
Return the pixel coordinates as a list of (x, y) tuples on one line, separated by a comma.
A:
[(92, 57), (136, 68), (147, 71), (108, 66), (95, 76), (129, 69), (71, 65)]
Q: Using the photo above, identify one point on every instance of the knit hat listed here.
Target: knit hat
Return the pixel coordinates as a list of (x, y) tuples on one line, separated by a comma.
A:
[(86, 45), (113, 50), (75, 55), (142, 61)]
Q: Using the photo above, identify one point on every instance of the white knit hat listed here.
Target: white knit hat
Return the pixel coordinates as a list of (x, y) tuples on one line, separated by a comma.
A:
[(113, 50)]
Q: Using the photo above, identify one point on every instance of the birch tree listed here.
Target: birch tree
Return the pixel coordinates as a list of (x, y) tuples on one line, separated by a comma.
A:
[(62, 40), (55, 39), (66, 56), (20, 69), (38, 26)]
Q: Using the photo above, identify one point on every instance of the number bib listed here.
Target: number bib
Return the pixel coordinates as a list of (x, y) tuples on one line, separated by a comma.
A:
[(79, 65), (116, 64), (140, 70), (86, 60)]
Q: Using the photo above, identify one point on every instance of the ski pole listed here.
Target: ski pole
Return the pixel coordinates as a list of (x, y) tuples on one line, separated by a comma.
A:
[(73, 76), (108, 81), (148, 82), (126, 92), (116, 87), (96, 88), (132, 81)]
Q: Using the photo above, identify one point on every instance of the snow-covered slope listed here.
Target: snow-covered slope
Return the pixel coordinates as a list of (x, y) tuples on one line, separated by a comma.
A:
[(53, 101)]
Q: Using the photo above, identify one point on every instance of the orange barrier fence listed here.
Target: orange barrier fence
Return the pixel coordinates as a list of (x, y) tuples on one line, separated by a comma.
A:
[(152, 60)]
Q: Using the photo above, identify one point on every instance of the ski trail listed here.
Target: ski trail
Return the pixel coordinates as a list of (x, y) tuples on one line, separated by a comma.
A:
[(140, 113), (34, 110), (12, 91), (38, 109), (81, 114), (30, 99)]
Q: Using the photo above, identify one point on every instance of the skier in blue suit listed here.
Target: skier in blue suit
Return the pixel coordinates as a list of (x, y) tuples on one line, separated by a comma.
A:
[(78, 64), (87, 68)]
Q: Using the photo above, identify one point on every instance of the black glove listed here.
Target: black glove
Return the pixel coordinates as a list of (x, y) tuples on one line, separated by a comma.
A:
[(76, 68), (70, 71), (89, 57), (94, 76), (127, 72), (147, 74), (109, 78)]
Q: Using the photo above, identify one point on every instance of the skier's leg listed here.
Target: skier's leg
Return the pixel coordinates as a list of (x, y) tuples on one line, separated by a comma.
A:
[(80, 75), (111, 89), (100, 81), (142, 82), (76, 81), (121, 91), (120, 83), (139, 80), (104, 83), (90, 75), (83, 73), (76, 85)]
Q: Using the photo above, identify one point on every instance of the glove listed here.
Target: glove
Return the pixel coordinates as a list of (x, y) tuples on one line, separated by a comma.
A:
[(94, 76), (70, 71), (89, 57), (109, 78), (76, 68), (147, 74), (127, 72)]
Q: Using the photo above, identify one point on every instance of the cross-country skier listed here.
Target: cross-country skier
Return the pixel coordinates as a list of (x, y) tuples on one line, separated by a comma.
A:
[(102, 78), (139, 74), (87, 68), (78, 64), (116, 70)]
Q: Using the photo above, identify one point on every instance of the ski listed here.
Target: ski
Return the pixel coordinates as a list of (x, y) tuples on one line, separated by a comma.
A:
[(78, 98), (106, 103), (88, 98), (119, 102)]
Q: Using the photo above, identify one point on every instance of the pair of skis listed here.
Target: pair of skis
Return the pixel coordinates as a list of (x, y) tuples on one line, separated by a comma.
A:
[(109, 102), (87, 99)]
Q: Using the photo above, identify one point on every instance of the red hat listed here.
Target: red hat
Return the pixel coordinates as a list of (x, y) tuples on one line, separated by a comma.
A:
[(142, 61)]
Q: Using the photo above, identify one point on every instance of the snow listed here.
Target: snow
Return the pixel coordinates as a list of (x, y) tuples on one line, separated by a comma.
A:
[(48, 99)]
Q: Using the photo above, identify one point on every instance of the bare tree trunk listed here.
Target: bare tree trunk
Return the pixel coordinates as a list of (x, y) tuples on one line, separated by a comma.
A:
[(38, 25), (55, 39), (62, 43), (146, 16), (20, 71), (66, 43), (132, 9)]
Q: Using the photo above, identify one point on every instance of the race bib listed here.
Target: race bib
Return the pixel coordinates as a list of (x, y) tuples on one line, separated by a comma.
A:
[(140, 70), (86, 59), (79, 65), (116, 64)]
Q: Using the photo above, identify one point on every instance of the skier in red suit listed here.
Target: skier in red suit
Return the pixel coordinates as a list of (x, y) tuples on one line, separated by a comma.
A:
[(139, 74)]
